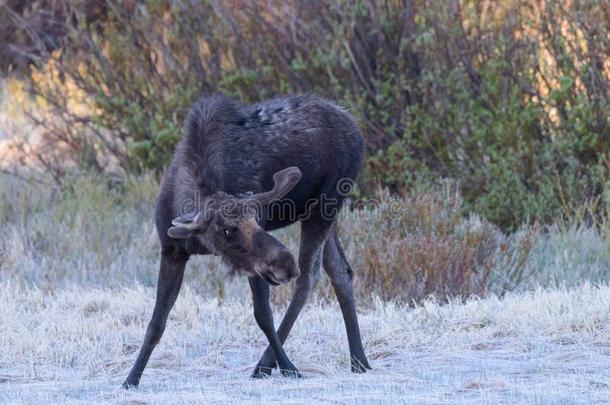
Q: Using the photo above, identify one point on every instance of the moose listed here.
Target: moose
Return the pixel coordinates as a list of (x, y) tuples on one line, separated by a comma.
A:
[(240, 171)]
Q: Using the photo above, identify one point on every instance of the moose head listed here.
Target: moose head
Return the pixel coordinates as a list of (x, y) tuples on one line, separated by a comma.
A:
[(227, 226)]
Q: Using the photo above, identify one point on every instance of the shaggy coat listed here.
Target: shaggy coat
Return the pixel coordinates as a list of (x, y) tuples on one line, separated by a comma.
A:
[(240, 171)]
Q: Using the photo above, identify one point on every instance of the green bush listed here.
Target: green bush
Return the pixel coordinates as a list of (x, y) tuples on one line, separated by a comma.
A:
[(511, 100)]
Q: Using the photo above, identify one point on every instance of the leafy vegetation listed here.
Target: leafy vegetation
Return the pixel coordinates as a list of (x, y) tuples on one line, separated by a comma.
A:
[(510, 98)]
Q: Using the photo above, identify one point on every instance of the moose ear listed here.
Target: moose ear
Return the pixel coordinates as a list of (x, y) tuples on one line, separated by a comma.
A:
[(177, 232), (186, 225), (284, 181)]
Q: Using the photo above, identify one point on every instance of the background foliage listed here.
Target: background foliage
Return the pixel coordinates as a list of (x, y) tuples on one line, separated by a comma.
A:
[(94, 235), (510, 98)]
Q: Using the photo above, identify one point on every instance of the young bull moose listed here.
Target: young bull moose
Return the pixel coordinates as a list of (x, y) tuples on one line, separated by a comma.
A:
[(241, 171)]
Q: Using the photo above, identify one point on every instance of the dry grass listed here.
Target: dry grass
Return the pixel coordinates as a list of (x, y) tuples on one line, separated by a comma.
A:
[(76, 345)]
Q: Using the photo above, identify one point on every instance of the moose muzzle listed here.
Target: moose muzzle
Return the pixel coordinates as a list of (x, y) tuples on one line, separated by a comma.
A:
[(275, 262)]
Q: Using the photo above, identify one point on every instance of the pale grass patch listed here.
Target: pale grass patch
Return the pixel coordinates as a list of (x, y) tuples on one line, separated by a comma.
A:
[(76, 345)]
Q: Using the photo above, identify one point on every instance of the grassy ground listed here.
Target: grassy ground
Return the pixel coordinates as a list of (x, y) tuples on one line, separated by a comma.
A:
[(77, 274), (76, 346)]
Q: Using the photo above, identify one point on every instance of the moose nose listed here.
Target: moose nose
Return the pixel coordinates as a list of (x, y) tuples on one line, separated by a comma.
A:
[(277, 258), (284, 266)]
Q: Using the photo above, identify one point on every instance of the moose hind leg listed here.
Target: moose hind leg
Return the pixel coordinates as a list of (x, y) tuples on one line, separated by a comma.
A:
[(341, 277), (168, 287)]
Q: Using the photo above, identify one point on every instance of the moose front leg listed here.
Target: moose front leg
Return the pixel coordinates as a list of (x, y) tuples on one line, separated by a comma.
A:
[(264, 319), (168, 286), (313, 236)]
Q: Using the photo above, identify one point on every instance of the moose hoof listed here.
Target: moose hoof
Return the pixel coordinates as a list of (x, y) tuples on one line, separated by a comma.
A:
[(129, 385), (261, 372), (290, 371)]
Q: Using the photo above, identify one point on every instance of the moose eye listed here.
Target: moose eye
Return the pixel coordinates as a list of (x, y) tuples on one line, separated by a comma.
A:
[(227, 232)]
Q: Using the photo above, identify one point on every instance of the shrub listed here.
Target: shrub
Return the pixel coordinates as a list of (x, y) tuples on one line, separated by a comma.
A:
[(511, 100), (420, 246)]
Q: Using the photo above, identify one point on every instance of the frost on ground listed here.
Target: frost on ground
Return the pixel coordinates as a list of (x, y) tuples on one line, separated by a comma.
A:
[(76, 346)]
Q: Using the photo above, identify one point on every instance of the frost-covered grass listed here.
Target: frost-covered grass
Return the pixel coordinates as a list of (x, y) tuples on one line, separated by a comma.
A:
[(76, 345)]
